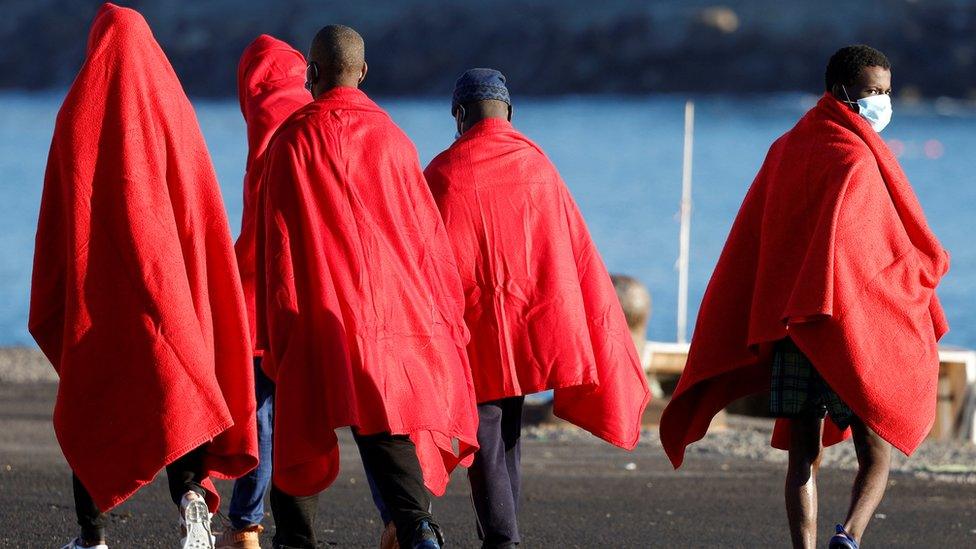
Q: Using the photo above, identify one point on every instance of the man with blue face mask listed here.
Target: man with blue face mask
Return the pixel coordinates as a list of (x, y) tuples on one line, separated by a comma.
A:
[(824, 296)]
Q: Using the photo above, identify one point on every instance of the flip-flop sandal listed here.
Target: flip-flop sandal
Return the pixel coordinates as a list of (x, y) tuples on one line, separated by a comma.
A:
[(842, 540)]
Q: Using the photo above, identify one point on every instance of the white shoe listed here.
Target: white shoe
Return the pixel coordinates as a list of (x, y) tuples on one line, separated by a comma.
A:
[(195, 521), (76, 544)]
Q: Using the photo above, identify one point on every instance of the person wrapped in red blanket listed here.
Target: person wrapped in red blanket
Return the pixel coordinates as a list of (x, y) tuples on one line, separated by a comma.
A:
[(540, 305), (364, 311), (825, 296), (135, 298), (270, 86)]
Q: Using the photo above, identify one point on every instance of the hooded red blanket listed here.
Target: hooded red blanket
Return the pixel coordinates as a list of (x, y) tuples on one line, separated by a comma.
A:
[(541, 307), (270, 86), (831, 248), (364, 309), (135, 297)]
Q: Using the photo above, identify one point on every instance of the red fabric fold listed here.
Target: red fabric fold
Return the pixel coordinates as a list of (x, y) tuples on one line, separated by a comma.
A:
[(135, 296), (831, 248), (270, 86), (541, 307), (364, 311)]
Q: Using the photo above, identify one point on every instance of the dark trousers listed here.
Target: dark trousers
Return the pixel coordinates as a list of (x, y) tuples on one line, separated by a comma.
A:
[(495, 475), (374, 491), (184, 475), (392, 462)]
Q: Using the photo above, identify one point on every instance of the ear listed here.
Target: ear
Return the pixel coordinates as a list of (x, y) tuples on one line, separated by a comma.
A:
[(362, 76), (842, 93), (459, 116), (836, 91)]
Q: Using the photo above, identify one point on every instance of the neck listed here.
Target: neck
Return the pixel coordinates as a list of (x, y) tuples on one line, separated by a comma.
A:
[(326, 86), (472, 120)]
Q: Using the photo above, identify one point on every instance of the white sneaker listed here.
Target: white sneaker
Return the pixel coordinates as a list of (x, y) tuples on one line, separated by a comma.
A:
[(76, 544), (195, 521)]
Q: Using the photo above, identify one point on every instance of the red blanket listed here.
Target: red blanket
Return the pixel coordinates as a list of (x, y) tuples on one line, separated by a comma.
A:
[(831, 248), (135, 297), (270, 86), (364, 310), (541, 307)]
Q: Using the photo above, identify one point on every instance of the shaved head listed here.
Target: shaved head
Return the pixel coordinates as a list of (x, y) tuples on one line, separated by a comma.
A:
[(340, 54)]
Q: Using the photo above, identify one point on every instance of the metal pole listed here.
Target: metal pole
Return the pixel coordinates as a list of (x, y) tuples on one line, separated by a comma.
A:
[(685, 235)]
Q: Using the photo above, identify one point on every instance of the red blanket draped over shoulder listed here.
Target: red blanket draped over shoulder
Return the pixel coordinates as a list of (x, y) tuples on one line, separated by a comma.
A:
[(364, 309), (270, 86), (541, 307), (135, 297), (831, 248)]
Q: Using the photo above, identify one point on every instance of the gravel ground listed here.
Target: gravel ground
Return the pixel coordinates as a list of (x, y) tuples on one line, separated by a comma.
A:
[(745, 437), (576, 492), (748, 437)]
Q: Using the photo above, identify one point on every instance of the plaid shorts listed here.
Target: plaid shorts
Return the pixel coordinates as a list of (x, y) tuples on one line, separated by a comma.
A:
[(798, 389)]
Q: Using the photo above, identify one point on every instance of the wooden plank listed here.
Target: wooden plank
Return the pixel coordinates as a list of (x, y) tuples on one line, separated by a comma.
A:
[(957, 382)]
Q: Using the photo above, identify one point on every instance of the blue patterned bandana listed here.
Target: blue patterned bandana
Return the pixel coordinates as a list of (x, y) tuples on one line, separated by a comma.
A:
[(479, 85)]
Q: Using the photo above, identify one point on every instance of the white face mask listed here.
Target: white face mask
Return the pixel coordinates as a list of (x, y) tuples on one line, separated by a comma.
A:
[(876, 109)]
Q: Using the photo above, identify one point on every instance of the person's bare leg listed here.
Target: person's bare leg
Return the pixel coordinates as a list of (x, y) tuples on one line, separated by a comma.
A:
[(801, 479), (873, 464)]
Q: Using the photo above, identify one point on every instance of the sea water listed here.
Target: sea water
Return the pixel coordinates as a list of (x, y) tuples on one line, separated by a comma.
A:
[(620, 156)]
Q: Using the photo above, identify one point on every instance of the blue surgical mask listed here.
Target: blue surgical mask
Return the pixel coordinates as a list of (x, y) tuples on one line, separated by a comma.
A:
[(876, 109)]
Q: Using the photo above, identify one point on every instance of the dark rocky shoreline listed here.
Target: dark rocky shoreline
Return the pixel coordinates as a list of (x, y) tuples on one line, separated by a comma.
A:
[(547, 47)]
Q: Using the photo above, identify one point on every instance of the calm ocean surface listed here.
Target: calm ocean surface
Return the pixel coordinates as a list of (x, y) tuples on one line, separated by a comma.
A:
[(621, 157)]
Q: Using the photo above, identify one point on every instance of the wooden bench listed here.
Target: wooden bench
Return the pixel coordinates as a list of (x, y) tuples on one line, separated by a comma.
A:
[(955, 411)]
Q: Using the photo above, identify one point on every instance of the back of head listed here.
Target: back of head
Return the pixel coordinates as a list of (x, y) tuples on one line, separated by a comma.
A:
[(126, 107), (848, 62), (479, 94), (121, 44), (126, 80), (270, 87), (268, 65), (266, 61), (338, 58), (634, 299)]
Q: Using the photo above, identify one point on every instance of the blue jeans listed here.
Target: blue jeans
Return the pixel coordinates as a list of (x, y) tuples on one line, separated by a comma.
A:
[(247, 502)]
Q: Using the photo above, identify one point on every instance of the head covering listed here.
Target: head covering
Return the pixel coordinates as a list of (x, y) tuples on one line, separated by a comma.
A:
[(479, 85), (135, 296)]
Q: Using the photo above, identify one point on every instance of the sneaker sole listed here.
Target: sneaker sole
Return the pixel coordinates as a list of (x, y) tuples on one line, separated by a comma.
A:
[(196, 516)]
